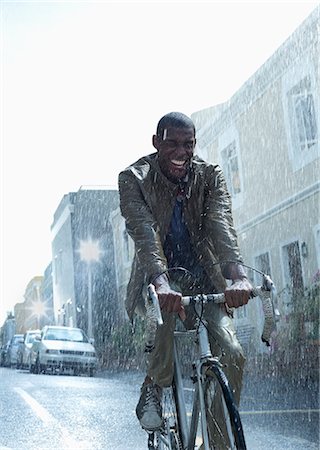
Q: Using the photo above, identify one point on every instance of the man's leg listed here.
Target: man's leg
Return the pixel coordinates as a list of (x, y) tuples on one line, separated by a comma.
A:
[(159, 375), (160, 360)]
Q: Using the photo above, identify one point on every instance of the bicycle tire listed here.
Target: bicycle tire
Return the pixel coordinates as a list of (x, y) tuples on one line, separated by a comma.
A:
[(232, 415), (170, 430)]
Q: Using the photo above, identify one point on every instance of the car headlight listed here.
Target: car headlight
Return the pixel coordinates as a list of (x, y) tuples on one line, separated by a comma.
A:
[(53, 352), (90, 354)]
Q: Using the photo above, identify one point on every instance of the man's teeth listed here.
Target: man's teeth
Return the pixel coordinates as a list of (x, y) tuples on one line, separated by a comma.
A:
[(178, 163)]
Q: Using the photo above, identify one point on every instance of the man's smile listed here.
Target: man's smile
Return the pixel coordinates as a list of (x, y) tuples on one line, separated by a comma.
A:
[(178, 163)]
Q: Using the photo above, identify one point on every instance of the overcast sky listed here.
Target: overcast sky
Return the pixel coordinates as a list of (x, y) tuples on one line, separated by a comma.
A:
[(83, 85)]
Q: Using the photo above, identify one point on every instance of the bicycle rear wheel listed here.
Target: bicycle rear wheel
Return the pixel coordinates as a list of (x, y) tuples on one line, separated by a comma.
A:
[(226, 433)]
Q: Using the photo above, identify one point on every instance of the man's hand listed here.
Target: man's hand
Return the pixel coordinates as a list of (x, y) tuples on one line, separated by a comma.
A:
[(169, 300), (238, 294)]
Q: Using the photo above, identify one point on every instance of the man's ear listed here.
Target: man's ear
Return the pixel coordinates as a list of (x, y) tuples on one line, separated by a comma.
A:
[(155, 141)]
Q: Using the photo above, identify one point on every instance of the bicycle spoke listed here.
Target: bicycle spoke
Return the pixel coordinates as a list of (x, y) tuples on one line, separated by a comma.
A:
[(168, 438)]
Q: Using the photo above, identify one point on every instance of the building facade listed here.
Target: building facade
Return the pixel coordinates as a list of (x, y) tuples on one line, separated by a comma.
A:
[(123, 256), (84, 288), (8, 329), (30, 314), (266, 139)]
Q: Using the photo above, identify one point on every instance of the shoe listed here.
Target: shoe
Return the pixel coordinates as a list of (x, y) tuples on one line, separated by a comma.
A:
[(149, 410)]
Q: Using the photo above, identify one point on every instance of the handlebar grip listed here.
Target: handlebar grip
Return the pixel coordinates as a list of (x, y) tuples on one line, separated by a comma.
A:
[(154, 318), (215, 298), (155, 301)]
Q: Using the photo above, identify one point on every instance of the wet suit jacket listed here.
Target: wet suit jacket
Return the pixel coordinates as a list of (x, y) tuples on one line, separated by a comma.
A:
[(147, 202)]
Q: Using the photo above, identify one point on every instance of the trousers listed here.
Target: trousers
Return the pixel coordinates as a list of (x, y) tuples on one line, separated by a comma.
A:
[(223, 340)]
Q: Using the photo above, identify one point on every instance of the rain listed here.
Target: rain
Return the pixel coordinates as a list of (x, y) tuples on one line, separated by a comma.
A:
[(264, 134)]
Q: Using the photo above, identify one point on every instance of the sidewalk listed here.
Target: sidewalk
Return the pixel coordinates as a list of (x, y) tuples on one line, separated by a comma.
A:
[(284, 406)]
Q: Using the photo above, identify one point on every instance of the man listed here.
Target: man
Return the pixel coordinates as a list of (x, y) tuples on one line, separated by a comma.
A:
[(178, 213)]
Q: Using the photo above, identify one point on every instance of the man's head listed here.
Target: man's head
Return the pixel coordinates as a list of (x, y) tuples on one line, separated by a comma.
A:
[(175, 141)]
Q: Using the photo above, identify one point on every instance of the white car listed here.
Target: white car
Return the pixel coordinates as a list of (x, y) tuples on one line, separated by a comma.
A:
[(59, 348), (24, 351)]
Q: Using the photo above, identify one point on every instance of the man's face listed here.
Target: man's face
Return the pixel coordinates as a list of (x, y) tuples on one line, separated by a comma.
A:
[(175, 150)]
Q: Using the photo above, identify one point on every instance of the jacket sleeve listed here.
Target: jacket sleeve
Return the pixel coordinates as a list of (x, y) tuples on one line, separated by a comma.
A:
[(218, 221), (141, 226)]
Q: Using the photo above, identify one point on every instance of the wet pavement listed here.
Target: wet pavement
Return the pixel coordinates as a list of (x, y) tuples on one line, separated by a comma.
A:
[(51, 412)]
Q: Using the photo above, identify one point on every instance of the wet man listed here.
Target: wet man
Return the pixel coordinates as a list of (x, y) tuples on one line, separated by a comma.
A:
[(178, 212)]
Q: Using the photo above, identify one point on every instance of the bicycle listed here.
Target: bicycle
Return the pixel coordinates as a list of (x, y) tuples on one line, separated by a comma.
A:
[(177, 432)]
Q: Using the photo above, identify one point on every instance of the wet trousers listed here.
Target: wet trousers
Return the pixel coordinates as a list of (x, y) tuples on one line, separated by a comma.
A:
[(223, 340)]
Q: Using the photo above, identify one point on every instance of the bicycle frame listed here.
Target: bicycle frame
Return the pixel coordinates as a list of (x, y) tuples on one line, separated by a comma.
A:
[(207, 368), (205, 357)]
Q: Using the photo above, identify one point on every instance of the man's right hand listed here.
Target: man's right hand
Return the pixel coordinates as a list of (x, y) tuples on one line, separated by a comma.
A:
[(169, 300)]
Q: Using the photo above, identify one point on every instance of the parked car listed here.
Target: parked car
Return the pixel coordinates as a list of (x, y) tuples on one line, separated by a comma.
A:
[(3, 354), (23, 354), (12, 350), (59, 348)]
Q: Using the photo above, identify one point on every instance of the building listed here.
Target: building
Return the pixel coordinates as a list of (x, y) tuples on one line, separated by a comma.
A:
[(46, 293), (29, 314), (123, 256), (84, 288), (266, 138), (8, 329), (36, 310)]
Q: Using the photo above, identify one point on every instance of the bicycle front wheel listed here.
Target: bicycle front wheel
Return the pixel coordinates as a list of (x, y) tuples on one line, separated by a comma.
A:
[(168, 438), (223, 418)]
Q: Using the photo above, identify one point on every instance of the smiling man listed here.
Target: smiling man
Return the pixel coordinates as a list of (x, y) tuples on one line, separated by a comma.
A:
[(175, 147), (178, 212)]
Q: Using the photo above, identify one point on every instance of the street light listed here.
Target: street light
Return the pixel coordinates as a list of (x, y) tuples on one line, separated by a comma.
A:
[(38, 309), (90, 252)]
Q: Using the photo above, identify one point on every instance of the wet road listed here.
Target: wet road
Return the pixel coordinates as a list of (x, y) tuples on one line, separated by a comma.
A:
[(66, 412)]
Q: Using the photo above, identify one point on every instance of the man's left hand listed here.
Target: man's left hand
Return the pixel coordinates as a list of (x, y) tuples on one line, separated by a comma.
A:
[(238, 294)]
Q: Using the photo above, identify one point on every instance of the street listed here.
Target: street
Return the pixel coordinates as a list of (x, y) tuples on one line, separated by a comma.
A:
[(67, 412)]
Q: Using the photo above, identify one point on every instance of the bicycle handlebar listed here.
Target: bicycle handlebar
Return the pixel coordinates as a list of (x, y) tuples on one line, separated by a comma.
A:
[(266, 293)]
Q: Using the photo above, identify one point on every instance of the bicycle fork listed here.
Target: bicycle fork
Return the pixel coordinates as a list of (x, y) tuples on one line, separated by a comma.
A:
[(205, 358), (188, 436)]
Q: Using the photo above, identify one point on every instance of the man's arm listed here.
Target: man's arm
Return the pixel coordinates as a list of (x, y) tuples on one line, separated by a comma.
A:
[(169, 300), (238, 294), (217, 218), (220, 228), (141, 226), (143, 229)]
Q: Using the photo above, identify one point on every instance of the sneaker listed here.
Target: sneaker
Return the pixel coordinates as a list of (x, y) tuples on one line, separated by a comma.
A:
[(148, 410)]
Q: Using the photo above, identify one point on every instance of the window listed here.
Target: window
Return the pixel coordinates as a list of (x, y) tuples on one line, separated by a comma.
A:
[(302, 115), (316, 231), (301, 111), (262, 263), (231, 168), (230, 161)]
